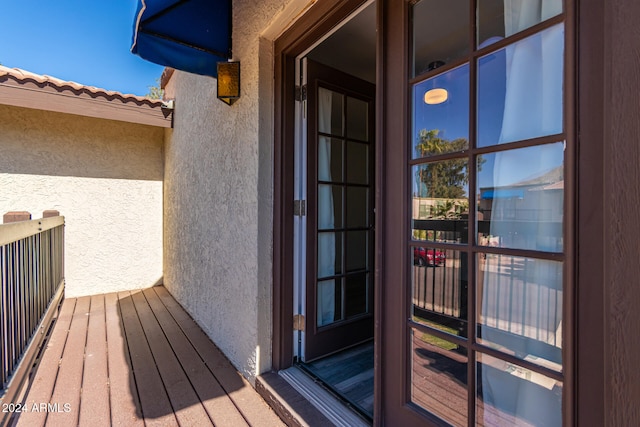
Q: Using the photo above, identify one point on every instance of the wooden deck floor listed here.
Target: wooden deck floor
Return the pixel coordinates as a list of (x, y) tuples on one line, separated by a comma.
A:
[(137, 359)]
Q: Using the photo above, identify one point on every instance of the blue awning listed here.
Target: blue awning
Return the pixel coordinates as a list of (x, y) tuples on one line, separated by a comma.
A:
[(188, 35)]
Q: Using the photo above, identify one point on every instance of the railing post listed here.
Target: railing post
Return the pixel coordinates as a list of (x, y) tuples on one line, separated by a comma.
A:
[(50, 213), (16, 216)]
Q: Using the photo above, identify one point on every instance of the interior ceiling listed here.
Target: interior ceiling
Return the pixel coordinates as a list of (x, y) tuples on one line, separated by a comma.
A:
[(440, 32), (352, 48)]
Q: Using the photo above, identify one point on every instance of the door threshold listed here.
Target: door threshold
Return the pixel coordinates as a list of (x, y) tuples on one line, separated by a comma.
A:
[(304, 402), (349, 375), (335, 409)]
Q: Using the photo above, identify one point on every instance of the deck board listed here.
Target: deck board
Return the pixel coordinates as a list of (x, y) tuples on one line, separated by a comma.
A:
[(218, 405), (95, 381), (184, 400), (249, 403), (120, 372), (45, 378), (69, 382), (137, 359), (155, 405)]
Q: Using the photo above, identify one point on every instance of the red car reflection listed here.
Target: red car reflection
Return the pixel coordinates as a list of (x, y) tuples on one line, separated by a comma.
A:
[(423, 257)]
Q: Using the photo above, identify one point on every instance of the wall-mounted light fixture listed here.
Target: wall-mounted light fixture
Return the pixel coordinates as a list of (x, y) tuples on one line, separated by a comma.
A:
[(229, 82), (436, 96)]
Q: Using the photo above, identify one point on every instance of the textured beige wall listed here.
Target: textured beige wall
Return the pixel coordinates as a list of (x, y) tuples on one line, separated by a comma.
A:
[(105, 177), (218, 197)]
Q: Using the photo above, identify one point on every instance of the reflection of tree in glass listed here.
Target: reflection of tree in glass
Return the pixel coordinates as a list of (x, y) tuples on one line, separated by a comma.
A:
[(449, 208), (443, 179)]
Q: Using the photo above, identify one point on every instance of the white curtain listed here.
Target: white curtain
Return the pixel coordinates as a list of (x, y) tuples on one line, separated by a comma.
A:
[(533, 101), (533, 107), (533, 98), (326, 240)]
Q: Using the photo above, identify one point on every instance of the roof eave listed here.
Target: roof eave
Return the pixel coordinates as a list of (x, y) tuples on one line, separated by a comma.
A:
[(23, 89)]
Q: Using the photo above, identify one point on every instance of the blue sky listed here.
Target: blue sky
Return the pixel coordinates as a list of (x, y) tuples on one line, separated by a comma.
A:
[(83, 41)]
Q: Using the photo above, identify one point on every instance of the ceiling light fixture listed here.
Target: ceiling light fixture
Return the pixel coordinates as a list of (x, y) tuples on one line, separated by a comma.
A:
[(436, 96)]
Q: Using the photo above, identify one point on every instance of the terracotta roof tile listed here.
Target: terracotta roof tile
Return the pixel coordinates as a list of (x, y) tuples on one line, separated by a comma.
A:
[(23, 77)]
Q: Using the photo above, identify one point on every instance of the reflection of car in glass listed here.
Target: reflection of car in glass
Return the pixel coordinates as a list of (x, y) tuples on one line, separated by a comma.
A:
[(423, 256)]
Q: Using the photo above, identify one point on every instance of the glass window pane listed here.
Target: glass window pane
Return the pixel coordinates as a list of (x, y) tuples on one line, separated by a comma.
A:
[(520, 307), (520, 89), (356, 294), (446, 182), (329, 302), (429, 224), (357, 163), (330, 112), (502, 18), (491, 97), (330, 155), (521, 198), (510, 395), (329, 254), (357, 207), (357, 119), (439, 287), (440, 33), (440, 201), (439, 377), (357, 250), (441, 113), (330, 207)]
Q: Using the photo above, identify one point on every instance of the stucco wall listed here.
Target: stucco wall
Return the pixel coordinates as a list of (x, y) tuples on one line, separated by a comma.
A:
[(105, 177), (218, 197)]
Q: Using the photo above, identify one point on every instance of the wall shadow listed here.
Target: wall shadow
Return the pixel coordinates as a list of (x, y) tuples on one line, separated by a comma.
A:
[(36, 142)]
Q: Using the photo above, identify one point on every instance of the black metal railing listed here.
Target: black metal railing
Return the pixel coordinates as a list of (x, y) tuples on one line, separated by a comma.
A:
[(519, 300), (32, 276)]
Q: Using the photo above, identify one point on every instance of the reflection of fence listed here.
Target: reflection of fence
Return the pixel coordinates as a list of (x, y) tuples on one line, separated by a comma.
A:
[(521, 304), (520, 299), (443, 230), (519, 214), (31, 267), (440, 292), (438, 289)]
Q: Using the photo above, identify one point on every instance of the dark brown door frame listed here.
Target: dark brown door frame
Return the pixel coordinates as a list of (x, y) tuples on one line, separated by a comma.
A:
[(391, 212), (590, 375), (608, 230), (396, 116), (313, 25), (604, 391)]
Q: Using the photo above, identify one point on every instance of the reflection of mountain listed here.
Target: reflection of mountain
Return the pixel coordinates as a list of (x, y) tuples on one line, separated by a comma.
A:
[(550, 177)]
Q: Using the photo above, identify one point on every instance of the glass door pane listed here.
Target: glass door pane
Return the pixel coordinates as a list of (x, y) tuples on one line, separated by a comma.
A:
[(485, 253), (344, 207)]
